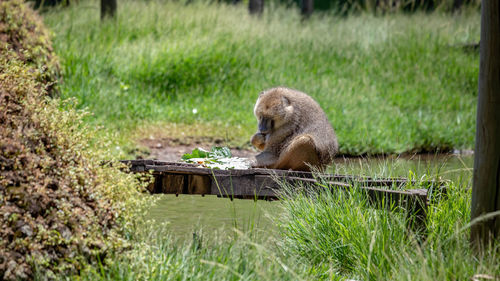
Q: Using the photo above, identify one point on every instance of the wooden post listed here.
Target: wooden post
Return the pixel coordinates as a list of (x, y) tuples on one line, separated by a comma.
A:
[(108, 8), (457, 4), (256, 6), (307, 8), (486, 181)]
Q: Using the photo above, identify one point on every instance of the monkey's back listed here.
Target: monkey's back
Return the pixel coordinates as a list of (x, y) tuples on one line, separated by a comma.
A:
[(311, 119)]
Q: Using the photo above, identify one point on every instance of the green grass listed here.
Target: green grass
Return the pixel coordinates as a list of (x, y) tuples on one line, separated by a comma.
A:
[(337, 232), (388, 84), (159, 256)]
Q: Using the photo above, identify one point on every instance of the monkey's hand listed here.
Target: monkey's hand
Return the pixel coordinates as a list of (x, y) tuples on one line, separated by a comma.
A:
[(259, 141), (264, 160)]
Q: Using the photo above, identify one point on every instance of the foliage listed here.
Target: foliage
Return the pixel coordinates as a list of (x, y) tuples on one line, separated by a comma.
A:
[(388, 84), (22, 32), (60, 208)]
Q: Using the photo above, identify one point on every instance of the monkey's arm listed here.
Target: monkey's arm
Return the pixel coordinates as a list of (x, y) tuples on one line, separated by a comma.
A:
[(264, 159), (259, 141)]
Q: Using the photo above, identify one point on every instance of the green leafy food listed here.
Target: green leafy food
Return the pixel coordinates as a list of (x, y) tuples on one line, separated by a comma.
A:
[(216, 158), (218, 152), (215, 152), (196, 153)]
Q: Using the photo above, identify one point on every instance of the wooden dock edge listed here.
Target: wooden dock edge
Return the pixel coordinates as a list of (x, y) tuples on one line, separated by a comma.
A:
[(266, 184)]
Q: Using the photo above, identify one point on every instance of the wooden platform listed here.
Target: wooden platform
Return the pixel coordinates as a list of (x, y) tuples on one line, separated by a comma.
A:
[(182, 178)]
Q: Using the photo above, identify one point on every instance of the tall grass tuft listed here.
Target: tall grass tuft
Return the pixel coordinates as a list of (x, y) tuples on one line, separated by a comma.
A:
[(337, 231), (158, 255)]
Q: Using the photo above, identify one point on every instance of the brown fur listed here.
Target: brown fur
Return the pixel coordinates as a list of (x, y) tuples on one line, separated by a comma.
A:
[(294, 132)]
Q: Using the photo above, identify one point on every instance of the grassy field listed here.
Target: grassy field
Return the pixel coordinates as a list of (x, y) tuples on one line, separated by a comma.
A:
[(388, 84)]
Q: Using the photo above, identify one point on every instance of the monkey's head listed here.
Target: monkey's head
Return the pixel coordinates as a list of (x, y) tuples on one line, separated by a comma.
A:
[(273, 110)]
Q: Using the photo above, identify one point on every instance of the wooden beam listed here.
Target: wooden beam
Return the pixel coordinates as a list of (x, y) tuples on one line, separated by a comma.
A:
[(306, 8), (486, 178), (256, 7), (108, 8)]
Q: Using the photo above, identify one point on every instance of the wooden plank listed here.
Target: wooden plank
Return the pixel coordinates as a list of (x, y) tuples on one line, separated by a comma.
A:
[(162, 167), (179, 169), (156, 166), (199, 184), (173, 184), (417, 210), (234, 186), (185, 168)]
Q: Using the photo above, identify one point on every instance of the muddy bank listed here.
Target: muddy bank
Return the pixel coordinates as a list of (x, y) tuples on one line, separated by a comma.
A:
[(172, 149)]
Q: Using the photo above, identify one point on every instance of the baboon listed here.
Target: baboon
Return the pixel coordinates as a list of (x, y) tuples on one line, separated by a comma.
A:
[(293, 132)]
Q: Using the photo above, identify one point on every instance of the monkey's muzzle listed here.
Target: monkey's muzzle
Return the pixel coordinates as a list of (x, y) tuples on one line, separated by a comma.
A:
[(266, 125)]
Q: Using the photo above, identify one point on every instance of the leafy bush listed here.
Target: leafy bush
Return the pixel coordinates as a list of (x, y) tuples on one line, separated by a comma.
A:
[(60, 208), (22, 31)]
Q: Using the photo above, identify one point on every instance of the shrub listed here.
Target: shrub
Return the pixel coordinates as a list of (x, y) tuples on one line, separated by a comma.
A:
[(60, 207)]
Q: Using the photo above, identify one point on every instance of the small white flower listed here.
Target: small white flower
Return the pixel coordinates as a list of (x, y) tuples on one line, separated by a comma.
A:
[(124, 86), (195, 110)]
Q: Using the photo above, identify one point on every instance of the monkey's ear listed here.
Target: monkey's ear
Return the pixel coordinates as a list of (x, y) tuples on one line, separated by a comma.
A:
[(286, 104), (260, 94), (285, 101)]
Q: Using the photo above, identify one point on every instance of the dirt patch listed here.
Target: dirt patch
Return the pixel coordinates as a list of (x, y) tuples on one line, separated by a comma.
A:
[(172, 149)]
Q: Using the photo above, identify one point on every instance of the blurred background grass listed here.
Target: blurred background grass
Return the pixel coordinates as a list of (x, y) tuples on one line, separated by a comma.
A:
[(390, 83)]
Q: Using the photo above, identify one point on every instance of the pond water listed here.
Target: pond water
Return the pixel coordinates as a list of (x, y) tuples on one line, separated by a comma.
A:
[(186, 214), (212, 215)]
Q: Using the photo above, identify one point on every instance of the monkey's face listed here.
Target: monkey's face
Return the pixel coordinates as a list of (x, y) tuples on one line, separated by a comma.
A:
[(273, 110)]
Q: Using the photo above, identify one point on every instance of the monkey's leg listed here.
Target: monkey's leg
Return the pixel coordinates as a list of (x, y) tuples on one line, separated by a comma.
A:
[(300, 153), (264, 159), (259, 141)]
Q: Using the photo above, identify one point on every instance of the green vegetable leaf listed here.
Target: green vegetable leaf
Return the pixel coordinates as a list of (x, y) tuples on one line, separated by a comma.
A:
[(220, 152), (196, 153), (215, 153)]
